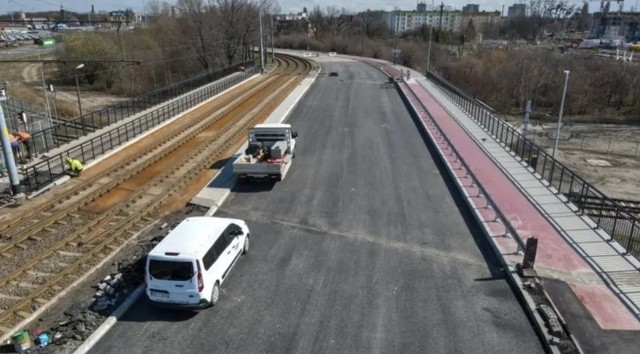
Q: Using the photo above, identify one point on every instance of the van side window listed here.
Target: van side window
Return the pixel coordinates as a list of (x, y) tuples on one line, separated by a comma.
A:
[(209, 257), (220, 244), (232, 231)]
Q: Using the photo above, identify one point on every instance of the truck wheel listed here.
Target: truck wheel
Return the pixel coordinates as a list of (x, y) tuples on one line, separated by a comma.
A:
[(215, 294), (245, 248)]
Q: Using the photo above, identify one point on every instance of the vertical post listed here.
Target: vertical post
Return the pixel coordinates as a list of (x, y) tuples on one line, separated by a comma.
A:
[(261, 41), (527, 113), (426, 73), (46, 97), (273, 50), (564, 93), (395, 47), (7, 150)]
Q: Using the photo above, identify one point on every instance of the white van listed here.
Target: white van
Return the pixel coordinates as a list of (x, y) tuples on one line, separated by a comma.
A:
[(188, 266)]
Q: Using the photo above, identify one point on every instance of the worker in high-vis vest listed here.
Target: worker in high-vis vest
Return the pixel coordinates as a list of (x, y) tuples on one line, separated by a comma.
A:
[(75, 166)]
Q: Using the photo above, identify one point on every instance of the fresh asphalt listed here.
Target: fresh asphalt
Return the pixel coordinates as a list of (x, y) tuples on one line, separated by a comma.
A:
[(364, 248)]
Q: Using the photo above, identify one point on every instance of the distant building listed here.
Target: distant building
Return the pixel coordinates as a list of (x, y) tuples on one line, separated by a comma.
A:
[(481, 20), (450, 20), (517, 10), (470, 8), (620, 25), (291, 23), (422, 7)]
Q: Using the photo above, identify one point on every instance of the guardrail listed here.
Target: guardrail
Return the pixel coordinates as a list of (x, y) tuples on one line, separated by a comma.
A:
[(619, 222), (54, 167), (509, 229), (81, 126)]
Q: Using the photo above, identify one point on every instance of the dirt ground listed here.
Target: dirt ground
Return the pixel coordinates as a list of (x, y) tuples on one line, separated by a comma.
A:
[(25, 82), (606, 155)]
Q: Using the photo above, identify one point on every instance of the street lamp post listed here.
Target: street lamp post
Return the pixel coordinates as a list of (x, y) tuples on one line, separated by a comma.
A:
[(564, 93), (426, 73), (78, 88), (261, 41), (395, 48)]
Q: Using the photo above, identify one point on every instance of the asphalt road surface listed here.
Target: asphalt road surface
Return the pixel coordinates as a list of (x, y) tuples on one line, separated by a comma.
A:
[(364, 248)]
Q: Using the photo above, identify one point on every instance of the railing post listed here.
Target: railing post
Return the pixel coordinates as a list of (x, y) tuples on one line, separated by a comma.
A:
[(601, 209), (561, 177), (633, 227), (615, 223)]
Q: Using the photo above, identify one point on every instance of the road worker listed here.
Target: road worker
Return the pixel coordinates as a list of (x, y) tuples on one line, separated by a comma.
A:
[(75, 166), (25, 138)]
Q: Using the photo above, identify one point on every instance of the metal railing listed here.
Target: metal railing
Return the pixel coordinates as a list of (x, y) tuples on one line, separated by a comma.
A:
[(509, 229), (618, 222), (81, 126), (54, 167)]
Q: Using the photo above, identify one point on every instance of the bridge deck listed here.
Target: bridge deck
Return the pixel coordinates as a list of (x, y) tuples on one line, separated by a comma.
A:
[(569, 248)]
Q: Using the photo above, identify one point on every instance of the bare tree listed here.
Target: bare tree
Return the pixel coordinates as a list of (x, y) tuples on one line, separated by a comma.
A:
[(197, 22)]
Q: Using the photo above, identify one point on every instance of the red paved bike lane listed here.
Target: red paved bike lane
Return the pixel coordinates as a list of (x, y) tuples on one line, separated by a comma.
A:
[(554, 253)]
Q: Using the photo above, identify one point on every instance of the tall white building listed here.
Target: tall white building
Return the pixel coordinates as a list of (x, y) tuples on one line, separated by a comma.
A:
[(403, 21)]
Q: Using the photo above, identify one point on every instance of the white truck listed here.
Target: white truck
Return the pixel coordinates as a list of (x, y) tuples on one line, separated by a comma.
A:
[(269, 153)]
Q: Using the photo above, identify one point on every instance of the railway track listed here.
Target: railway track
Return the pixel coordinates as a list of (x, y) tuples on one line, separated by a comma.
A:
[(84, 225)]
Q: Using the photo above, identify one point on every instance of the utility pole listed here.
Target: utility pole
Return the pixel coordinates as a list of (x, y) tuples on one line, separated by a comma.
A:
[(261, 42), (527, 113), (440, 25), (6, 147), (564, 93), (395, 48), (273, 48)]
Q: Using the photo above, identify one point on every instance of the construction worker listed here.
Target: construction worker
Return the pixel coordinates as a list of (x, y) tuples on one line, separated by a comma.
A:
[(25, 138), (75, 166)]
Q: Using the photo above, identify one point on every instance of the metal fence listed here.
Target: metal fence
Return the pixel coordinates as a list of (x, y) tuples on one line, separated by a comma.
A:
[(618, 222), (37, 121), (47, 171), (69, 130)]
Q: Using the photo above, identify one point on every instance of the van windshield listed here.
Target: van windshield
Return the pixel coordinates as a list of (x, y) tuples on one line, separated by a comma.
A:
[(171, 270)]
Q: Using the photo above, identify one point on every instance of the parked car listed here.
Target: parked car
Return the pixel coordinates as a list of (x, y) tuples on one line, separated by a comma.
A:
[(187, 268)]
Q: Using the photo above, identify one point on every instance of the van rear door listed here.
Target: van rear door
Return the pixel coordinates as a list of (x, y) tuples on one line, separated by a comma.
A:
[(172, 280)]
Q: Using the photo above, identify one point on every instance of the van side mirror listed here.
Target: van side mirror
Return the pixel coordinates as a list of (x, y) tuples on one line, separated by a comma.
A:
[(294, 135)]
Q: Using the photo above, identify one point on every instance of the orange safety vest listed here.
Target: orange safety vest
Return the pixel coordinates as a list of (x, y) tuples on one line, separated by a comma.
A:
[(23, 136)]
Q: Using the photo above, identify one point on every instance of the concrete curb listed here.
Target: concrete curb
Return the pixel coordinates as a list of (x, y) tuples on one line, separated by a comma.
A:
[(109, 322), (100, 332), (514, 281)]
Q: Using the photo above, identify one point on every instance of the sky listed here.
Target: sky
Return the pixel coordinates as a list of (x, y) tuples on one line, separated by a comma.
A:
[(285, 5)]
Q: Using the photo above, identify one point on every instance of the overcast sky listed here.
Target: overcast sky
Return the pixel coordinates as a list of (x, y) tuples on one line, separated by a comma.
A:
[(286, 5)]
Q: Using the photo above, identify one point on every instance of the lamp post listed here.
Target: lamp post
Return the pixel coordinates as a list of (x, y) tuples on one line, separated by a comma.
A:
[(426, 73), (564, 93), (395, 47), (261, 41), (78, 88)]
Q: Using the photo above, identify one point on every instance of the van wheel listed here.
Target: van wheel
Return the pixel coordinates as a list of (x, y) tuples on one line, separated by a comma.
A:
[(245, 248), (215, 294)]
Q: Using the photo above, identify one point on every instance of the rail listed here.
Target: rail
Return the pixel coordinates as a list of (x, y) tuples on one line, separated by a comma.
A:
[(47, 171), (90, 122), (613, 218)]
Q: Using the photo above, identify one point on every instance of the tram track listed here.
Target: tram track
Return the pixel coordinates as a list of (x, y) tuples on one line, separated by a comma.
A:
[(73, 239)]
